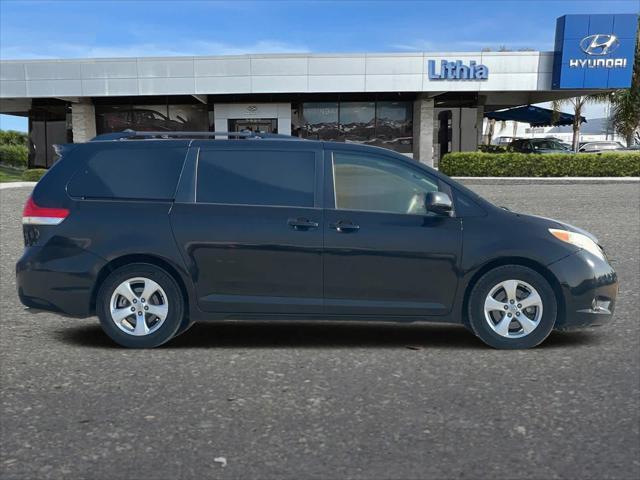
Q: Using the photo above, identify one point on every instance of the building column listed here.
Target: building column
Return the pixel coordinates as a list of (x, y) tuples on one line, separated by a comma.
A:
[(480, 124), (423, 130), (83, 121), (284, 118)]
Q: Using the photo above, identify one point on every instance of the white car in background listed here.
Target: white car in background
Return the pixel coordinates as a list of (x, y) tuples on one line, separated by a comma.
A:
[(601, 146)]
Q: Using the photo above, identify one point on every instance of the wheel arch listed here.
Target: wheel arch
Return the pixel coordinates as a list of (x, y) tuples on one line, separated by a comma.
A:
[(141, 258), (521, 261)]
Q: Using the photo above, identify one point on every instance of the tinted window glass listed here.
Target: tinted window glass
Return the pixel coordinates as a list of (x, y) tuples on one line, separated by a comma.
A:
[(252, 177), (365, 182), (135, 172)]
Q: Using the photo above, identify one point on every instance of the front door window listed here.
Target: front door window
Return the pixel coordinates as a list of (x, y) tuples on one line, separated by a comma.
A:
[(370, 183)]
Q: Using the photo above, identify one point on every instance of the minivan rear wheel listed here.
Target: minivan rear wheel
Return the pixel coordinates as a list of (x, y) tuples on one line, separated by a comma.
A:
[(512, 307), (140, 306)]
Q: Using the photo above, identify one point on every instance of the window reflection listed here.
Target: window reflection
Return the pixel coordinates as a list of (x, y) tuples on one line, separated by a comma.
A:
[(162, 118), (189, 118), (384, 124), (320, 121), (358, 121), (394, 126)]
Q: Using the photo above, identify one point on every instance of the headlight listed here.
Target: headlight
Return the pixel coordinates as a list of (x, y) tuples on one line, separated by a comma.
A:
[(579, 240)]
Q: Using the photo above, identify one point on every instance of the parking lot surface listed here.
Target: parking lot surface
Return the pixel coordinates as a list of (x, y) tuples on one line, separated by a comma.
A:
[(329, 401)]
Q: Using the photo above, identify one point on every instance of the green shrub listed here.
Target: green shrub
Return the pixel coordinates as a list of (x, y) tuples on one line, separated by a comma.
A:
[(11, 137), (14, 155), (513, 164), (33, 174), (492, 148)]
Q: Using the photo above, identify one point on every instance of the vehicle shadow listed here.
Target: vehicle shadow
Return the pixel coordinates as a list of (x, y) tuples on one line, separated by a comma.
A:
[(319, 335)]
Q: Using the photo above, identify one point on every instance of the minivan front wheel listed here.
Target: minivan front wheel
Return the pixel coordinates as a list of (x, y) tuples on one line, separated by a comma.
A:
[(511, 307), (140, 306)]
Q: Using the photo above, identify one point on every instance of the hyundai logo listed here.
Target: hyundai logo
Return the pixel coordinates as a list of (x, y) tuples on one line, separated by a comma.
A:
[(599, 44)]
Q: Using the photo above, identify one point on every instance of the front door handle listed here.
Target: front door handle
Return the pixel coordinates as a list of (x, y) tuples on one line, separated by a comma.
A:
[(301, 223), (345, 226)]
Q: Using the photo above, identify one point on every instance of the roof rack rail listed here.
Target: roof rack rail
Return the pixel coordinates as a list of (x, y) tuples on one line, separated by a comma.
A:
[(134, 135)]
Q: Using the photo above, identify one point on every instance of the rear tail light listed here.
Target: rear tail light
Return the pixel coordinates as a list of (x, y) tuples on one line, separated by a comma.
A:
[(34, 214)]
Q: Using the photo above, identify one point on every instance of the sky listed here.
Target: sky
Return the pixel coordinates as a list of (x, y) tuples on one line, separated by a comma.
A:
[(83, 28)]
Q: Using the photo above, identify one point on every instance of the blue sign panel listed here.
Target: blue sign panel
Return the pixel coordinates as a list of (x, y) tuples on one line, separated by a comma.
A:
[(594, 51)]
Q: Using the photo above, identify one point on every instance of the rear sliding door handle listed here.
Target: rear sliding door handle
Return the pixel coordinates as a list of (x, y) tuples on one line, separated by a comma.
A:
[(345, 226), (301, 223)]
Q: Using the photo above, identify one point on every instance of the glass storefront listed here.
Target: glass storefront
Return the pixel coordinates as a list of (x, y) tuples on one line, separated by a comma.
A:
[(387, 124), (167, 117), (358, 121), (384, 124), (320, 121), (49, 125), (260, 125)]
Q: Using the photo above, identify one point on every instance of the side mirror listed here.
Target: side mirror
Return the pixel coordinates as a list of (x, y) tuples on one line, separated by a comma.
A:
[(438, 203)]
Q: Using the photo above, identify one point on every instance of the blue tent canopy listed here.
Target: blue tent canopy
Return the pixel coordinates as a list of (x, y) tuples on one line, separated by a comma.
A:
[(534, 116)]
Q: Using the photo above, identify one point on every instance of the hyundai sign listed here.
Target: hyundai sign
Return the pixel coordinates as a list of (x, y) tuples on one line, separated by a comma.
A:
[(594, 51)]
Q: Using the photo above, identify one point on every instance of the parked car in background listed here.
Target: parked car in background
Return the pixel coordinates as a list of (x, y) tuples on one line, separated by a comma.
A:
[(538, 145), (561, 141), (504, 141), (151, 232), (601, 146)]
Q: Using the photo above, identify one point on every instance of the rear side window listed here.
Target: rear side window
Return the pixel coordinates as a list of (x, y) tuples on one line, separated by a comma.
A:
[(252, 177), (148, 172)]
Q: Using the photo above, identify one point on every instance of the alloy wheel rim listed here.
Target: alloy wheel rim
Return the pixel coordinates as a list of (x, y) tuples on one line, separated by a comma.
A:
[(139, 306), (513, 309)]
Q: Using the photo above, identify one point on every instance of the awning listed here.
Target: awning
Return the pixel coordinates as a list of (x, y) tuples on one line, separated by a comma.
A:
[(534, 116)]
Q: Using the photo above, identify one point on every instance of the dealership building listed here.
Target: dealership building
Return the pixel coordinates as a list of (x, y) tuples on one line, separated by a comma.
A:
[(420, 104)]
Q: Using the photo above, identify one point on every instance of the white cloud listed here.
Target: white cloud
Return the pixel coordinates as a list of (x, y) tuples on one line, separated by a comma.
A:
[(469, 45), (415, 46), (149, 49)]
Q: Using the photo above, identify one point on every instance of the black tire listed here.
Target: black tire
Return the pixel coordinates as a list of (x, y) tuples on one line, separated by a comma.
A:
[(174, 298), (186, 325), (476, 314)]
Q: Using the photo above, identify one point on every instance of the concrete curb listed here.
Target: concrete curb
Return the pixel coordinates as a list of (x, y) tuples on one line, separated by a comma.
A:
[(545, 180), (7, 185)]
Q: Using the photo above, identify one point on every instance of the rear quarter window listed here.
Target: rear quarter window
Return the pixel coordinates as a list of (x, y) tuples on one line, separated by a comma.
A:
[(140, 172)]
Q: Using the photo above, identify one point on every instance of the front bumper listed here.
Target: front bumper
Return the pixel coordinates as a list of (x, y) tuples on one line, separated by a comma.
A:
[(589, 287), (58, 278)]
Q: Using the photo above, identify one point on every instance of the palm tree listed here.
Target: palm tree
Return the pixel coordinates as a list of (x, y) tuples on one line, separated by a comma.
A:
[(577, 104), (625, 113), (491, 125), (625, 104)]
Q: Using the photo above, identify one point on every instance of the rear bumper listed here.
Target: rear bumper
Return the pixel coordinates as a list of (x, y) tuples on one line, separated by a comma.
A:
[(59, 279), (589, 288)]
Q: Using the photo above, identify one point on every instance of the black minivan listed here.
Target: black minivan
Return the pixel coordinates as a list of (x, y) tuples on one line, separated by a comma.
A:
[(154, 231)]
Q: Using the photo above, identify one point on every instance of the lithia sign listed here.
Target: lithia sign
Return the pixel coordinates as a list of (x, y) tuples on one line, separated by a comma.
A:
[(456, 70)]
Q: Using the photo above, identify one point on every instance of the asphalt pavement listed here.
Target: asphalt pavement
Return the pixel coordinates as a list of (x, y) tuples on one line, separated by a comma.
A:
[(326, 401)]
